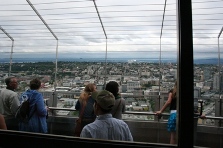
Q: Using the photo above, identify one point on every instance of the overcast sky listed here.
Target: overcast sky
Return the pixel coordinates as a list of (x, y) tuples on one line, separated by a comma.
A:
[(132, 28)]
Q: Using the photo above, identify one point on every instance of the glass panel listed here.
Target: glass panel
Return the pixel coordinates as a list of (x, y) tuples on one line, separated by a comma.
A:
[(207, 39)]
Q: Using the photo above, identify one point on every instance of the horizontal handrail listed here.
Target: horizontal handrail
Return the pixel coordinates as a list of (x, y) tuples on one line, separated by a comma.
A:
[(135, 113), (212, 117), (64, 109)]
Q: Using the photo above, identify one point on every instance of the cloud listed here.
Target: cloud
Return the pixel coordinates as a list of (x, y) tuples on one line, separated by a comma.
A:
[(128, 28)]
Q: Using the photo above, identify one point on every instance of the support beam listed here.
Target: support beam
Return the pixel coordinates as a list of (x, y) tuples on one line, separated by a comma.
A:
[(10, 62), (185, 75), (219, 76), (106, 52), (34, 9)]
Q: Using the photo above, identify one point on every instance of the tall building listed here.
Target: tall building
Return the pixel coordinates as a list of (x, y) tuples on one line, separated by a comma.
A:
[(207, 73), (217, 84)]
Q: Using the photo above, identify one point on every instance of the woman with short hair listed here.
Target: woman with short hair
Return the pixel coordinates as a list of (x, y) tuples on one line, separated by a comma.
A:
[(38, 111), (119, 107)]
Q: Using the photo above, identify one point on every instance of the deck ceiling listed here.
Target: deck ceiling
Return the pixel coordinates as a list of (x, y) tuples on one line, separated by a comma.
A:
[(140, 28)]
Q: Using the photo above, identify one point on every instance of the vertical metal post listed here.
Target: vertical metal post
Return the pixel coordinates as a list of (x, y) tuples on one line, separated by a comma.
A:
[(220, 78), (185, 75), (160, 76), (105, 65), (10, 64), (31, 5), (55, 85)]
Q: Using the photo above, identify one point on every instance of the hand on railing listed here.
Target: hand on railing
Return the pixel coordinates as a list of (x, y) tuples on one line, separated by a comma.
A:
[(158, 114), (47, 108), (203, 116)]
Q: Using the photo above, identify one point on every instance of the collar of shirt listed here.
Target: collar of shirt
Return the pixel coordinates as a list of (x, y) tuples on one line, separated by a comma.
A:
[(104, 116)]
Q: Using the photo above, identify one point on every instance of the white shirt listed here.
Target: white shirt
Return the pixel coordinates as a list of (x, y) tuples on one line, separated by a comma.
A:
[(107, 127)]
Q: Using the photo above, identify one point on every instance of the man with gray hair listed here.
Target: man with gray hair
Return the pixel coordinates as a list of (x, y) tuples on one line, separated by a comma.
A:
[(9, 103), (105, 126)]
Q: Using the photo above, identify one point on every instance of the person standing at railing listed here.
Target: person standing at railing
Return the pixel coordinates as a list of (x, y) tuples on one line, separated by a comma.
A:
[(172, 104), (85, 107), (119, 107), (198, 113), (37, 110), (105, 126), (9, 103)]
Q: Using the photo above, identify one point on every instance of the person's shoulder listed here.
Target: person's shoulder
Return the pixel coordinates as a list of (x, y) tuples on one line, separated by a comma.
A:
[(121, 123), (35, 92), (12, 93), (3, 89), (7, 91), (92, 125), (118, 120)]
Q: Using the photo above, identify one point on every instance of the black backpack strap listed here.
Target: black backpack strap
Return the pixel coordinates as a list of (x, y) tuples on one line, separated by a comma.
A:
[(34, 108), (32, 112)]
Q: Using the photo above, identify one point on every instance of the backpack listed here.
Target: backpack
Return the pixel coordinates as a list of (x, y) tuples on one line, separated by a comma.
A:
[(22, 113)]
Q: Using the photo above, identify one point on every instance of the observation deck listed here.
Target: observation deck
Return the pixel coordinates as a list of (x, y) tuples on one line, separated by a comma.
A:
[(184, 31)]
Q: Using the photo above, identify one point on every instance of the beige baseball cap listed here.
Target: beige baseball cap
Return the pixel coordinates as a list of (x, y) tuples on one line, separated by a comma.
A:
[(104, 98)]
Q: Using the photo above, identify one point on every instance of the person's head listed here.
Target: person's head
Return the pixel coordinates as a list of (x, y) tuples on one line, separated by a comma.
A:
[(35, 84), (89, 88), (112, 87), (104, 102), (11, 83)]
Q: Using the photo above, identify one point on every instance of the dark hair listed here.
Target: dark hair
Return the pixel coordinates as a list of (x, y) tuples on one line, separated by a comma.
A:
[(8, 80), (113, 87), (35, 84)]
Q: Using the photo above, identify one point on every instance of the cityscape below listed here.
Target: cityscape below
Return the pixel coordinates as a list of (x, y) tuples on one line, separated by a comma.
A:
[(140, 83)]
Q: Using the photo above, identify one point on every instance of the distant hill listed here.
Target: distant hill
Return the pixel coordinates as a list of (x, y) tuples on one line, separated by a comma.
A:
[(206, 61), (149, 60)]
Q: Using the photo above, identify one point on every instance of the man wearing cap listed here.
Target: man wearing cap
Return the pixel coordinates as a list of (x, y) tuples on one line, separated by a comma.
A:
[(105, 126)]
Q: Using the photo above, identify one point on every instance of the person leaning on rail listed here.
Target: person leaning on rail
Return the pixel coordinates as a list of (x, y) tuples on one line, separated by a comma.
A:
[(9, 103), (172, 103), (85, 107), (105, 126)]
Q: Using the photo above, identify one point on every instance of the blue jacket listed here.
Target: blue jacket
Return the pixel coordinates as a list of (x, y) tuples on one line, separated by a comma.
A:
[(37, 122)]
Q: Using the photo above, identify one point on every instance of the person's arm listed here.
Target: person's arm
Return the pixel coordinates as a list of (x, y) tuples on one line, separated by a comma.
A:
[(14, 103), (78, 105), (165, 105), (2, 122), (40, 106), (203, 116)]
